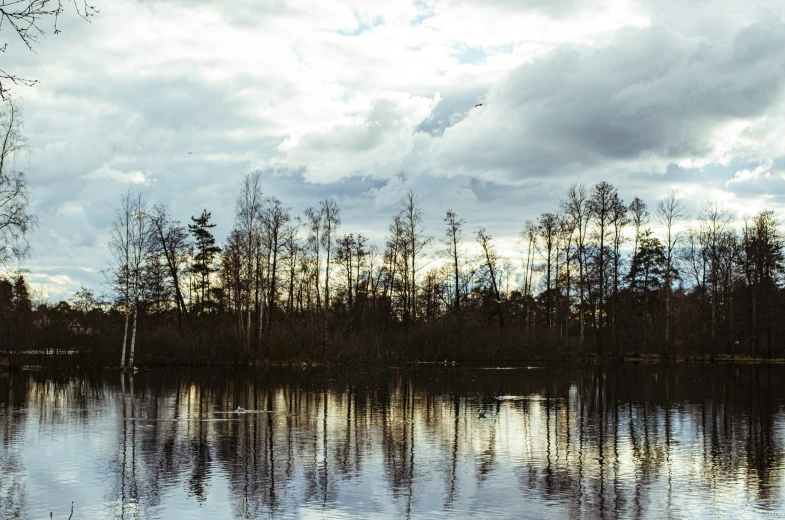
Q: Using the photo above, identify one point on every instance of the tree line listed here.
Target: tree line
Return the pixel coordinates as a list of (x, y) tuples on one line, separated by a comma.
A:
[(597, 276)]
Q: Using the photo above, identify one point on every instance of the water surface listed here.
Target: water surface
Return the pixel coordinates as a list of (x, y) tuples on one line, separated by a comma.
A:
[(562, 441)]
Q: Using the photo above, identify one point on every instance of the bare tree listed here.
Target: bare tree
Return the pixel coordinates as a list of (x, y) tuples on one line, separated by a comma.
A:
[(292, 251), (575, 205), (601, 208), (395, 259), (619, 219), (715, 221), (275, 218), (119, 273), (411, 217), (140, 249), (170, 239), (313, 221), (567, 237), (360, 259), (639, 217), (670, 213), (248, 209), (548, 232), (331, 219), (16, 221), (345, 257), (491, 261), (529, 237), (232, 262), (452, 238), (130, 246)]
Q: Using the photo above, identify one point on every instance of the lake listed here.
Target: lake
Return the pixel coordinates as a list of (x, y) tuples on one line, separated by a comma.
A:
[(426, 441)]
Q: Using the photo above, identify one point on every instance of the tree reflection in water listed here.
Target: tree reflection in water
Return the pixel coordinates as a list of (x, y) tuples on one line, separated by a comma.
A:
[(627, 441)]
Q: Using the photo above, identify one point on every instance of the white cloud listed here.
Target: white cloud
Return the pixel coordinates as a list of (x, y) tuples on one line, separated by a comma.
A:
[(762, 170), (53, 287), (372, 142), (107, 173)]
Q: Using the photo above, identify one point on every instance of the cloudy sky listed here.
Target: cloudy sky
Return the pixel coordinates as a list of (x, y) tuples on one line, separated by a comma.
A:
[(362, 99)]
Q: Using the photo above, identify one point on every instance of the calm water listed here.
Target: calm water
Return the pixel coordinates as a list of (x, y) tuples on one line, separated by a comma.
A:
[(555, 442)]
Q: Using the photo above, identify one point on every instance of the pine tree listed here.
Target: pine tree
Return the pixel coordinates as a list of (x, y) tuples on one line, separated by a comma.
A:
[(206, 250), (647, 269), (22, 301)]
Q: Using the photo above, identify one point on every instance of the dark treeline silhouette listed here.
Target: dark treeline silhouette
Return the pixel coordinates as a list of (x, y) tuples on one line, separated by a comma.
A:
[(589, 441), (596, 277)]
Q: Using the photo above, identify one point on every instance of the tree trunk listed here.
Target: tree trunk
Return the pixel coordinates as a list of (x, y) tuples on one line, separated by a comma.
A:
[(600, 321), (457, 283), (327, 276), (273, 282), (732, 331), (414, 287), (582, 282), (569, 303), (713, 312), (667, 315), (125, 339), (133, 339)]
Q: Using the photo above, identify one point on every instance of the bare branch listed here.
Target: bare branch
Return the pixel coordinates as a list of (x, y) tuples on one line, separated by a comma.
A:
[(27, 18)]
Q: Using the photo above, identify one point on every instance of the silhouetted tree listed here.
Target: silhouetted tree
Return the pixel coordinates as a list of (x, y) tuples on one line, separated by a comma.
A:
[(170, 240), (205, 248), (490, 260), (130, 246), (452, 238), (576, 206), (763, 265), (331, 219), (670, 213)]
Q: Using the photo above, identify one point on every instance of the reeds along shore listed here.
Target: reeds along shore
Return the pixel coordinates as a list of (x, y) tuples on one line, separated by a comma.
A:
[(596, 279)]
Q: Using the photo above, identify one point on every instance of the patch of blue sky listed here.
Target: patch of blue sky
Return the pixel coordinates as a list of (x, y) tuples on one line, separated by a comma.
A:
[(472, 55)]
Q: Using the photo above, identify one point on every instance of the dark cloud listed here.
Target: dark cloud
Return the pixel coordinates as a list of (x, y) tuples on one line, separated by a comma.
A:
[(649, 92), (451, 109)]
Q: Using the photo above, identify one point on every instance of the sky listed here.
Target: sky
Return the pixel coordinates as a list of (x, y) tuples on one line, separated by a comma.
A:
[(363, 99)]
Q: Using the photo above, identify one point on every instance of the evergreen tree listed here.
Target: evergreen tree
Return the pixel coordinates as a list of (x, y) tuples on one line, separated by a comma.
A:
[(23, 307), (22, 301), (206, 250), (647, 269)]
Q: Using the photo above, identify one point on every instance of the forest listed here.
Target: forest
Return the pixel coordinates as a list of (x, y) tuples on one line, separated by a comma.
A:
[(597, 278)]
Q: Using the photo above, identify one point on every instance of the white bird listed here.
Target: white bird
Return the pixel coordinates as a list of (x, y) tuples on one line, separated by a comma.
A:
[(240, 409)]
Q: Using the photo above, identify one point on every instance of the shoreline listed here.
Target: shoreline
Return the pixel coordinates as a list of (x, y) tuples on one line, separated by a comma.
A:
[(647, 359)]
